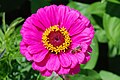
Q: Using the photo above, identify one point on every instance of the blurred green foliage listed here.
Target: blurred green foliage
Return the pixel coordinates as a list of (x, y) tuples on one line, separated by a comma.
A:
[(105, 17), (12, 64)]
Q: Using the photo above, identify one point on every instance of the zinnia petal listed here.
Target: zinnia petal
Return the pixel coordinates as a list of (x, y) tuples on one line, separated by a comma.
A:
[(80, 57), (53, 63), (28, 26), (84, 37), (62, 13), (43, 18), (37, 57), (28, 56), (35, 21), (46, 73), (52, 13), (64, 60), (38, 66), (35, 48), (87, 58), (41, 66), (71, 17), (63, 70), (23, 47), (75, 70), (73, 59)]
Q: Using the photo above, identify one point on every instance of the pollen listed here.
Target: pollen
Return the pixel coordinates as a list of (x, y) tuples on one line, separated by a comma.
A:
[(56, 39)]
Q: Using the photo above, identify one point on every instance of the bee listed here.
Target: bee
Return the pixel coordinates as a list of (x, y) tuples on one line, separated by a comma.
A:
[(76, 50)]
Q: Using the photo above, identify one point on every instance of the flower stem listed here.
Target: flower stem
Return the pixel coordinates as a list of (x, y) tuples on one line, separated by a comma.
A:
[(64, 77)]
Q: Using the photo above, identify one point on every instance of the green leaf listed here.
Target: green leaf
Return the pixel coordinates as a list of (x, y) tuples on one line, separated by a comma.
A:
[(40, 77), (86, 74), (112, 28), (114, 1), (2, 53), (3, 23), (12, 26), (5, 68), (90, 73), (111, 22), (101, 36), (102, 1), (94, 56), (112, 49), (97, 8), (27, 68), (105, 75), (1, 35)]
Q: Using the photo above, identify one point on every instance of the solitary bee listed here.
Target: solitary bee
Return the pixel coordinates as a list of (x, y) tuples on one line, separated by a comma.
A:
[(76, 50)]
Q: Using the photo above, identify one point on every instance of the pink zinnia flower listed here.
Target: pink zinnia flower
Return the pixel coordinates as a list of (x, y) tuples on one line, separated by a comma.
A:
[(56, 39)]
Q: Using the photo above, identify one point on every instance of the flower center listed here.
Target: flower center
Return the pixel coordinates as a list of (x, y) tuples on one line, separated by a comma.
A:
[(56, 39)]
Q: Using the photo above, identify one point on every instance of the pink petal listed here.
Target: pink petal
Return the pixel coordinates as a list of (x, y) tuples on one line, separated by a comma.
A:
[(74, 45), (29, 26), (84, 47), (41, 66), (43, 18), (35, 48), (28, 56), (23, 47), (53, 63), (35, 21), (32, 35), (87, 58), (40, 56), (89, 49), (71, 17), (62, 13), (63, 70), (73, 60), (85, 36), (80, 57), (75, 70), (30, 41), (52, 14), (76, 27), (38, 66), (46, 73), (24, 52), (79, 26), (64, 60)]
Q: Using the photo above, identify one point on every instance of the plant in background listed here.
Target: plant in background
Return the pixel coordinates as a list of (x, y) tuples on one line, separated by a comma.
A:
[(12, 65), (56, 39), (9, 49)]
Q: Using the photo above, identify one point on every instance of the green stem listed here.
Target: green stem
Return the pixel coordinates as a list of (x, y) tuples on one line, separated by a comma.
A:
[(62, 77)]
